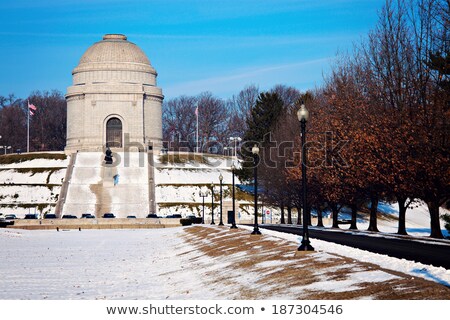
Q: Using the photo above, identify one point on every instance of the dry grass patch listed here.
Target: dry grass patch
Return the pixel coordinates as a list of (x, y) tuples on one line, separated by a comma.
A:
[(261, 267)]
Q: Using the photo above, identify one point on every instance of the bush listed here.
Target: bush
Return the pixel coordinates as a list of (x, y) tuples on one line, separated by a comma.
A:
[(186, 222)]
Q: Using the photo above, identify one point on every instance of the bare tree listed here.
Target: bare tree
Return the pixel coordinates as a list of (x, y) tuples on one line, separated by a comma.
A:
[(179, 123)]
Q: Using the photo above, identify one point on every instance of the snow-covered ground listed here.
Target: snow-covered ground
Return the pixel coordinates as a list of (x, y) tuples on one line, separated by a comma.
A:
[(162, 264), (417, 220), (100, 264)]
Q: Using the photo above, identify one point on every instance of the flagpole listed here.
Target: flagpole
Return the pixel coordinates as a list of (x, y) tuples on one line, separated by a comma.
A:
[(28, 126), (196, 144)]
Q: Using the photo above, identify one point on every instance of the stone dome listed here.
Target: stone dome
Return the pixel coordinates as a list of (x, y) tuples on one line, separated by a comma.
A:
[(114, 48), (114, 59)]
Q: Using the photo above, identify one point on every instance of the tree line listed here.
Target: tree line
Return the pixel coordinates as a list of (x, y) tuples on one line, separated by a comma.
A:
[(378, 128), (47, 124)]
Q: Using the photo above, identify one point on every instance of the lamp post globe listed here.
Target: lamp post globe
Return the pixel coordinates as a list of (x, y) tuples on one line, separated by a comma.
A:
[(303, 113), (255, 152), (303, 117)]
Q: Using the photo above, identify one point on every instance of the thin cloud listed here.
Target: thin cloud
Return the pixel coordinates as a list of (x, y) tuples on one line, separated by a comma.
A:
[(240, 77)]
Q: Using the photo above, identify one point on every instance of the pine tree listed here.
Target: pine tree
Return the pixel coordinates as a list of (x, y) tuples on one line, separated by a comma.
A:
[(261, 122)]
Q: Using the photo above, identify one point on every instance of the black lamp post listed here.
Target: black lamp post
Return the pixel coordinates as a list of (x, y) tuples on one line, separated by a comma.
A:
[(212, 203), (303, 116), (203, 195), (255, 151), (233, 223), (221, 220)]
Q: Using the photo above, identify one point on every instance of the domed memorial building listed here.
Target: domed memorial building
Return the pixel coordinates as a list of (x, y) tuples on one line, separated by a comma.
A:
[(114, 101)]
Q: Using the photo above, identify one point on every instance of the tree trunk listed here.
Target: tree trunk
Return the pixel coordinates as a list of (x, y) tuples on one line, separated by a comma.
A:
[(335, 212), (353, 225), (401, 215), (433, 207), (373, 214), (299, 215), (319, 217), (282, 215), (289, 210)]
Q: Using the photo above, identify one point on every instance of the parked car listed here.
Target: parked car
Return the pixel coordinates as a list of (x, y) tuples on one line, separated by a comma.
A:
[(69, 216), (131, 217), (195, 220), (152, 215), (87, 216), (10, 217), (50, 216), (109, 215), (176, 216), (4, 223), (31, 216)]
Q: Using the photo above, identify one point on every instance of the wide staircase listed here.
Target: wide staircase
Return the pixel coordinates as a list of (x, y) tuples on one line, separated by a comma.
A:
[(121, 188)]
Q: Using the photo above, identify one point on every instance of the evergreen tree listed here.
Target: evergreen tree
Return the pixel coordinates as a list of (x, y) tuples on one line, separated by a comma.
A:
[(260, 124)]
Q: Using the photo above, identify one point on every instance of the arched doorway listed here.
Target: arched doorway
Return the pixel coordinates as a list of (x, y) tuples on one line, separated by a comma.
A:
[(114, 133)]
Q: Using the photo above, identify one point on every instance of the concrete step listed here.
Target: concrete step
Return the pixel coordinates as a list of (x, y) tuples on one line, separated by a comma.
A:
[(122, 189)]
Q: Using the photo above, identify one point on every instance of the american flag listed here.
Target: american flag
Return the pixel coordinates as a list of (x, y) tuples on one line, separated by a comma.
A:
[(31, 108)]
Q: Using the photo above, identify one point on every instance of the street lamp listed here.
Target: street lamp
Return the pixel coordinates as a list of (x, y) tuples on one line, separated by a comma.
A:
[(303, 116), (233, 223), (221, 220), (235, 140), (5, 147), (225, 149), (203, 195), (212, 203), (255, 151)]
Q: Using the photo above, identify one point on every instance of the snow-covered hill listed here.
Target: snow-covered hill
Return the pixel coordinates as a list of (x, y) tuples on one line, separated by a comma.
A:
[(31, 183), (180, 178)]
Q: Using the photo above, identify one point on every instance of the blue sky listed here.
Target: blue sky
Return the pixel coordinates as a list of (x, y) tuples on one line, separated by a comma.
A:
[(195, 45)]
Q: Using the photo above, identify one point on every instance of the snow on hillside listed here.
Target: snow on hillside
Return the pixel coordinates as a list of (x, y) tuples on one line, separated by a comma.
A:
[(32, 176), (30, 194), (178, 184), (31, 184), (203, 175), (417, 219)]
